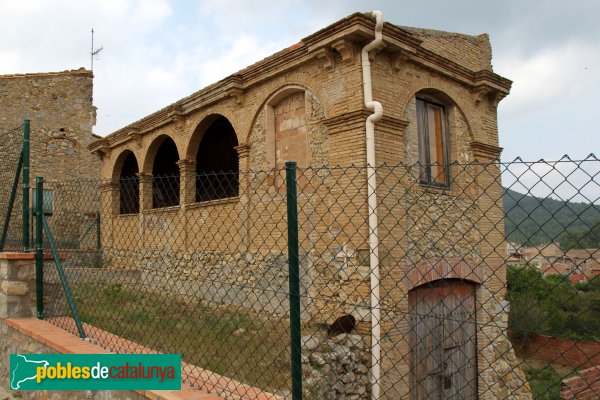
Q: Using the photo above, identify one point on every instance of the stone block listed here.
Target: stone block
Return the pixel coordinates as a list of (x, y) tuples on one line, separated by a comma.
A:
[(15, 288), (26, 272)]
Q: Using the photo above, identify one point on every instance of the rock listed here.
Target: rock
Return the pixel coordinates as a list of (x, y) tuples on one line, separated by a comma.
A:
[(349, 377), (341, 338), (317, 359), (355, 342), (362, 369), (239, 332), (310, 342), (340, 350)]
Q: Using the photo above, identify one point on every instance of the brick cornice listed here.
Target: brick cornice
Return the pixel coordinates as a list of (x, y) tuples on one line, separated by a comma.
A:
[(349, 33), (484, 151), (357, 119)]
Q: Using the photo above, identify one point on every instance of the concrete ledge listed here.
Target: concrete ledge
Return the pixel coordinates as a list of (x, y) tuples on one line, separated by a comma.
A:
[(65, 342), (29, 256)]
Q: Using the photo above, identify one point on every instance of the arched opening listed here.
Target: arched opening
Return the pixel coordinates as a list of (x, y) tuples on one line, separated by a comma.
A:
[(217, 164), (165, 175), (129, 185)]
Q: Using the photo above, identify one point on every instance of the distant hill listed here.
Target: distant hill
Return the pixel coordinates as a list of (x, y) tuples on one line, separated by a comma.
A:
[(531, 220)]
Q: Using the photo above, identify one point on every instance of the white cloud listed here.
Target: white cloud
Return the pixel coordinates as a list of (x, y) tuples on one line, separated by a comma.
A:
[(243, 52), (151, 12), (550, 75)]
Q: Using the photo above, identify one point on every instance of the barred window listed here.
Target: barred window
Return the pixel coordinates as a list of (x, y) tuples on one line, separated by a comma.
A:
[(165, 175), (217, 165), (433, 144), (129, 186)]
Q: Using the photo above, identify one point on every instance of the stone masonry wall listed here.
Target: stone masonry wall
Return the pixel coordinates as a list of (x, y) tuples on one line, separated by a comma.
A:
[(60, 108)]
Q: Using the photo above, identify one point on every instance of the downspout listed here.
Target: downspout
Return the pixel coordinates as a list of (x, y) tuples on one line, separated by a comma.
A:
[(377, 110)]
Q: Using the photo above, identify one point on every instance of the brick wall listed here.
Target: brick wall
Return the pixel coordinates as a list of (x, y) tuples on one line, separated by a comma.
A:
[(584, 386), (290, 131), (564, 352)]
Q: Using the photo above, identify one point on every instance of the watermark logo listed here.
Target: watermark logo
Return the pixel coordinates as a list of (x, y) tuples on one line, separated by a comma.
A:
[(95, 371)]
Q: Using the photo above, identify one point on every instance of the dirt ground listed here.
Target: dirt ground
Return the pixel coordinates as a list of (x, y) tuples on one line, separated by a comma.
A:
[(6, 394)]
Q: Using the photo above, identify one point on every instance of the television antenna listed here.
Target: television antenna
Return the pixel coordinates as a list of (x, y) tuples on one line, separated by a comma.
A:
[(94, 52)]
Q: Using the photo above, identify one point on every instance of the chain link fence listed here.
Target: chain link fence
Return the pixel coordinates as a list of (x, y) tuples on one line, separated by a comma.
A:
[(486, 287), (11, 143)]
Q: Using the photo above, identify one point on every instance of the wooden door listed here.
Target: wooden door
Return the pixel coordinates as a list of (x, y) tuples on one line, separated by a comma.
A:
[(442, 338)]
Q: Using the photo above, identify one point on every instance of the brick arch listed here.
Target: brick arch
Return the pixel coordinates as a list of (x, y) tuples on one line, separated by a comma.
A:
[(118, 164), (447, 90), (128, 181), (198, 134), (430, 270), (120, 160), (278, 91), (201, 121), (150, 154), (213, 146)]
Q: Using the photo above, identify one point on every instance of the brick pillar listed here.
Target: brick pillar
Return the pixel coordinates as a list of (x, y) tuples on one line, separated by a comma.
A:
[(145, 191), (17, 285), (109, 209), (187, 186), (243, 151)]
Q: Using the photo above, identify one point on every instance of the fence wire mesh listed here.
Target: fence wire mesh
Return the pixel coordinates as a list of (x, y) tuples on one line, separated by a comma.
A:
[(11, 142), (489, 286)]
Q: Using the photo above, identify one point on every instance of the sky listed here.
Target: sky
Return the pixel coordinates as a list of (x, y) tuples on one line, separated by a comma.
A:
[(158, 51)]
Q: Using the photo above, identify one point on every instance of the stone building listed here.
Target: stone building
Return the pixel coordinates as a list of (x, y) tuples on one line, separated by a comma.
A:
[(59, 107), (305, 103)]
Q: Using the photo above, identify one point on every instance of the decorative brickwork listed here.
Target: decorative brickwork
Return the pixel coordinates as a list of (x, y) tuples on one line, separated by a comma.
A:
[(306, 103)]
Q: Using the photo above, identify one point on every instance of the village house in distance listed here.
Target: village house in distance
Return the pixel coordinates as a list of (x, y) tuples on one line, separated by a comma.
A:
[(306, 103)]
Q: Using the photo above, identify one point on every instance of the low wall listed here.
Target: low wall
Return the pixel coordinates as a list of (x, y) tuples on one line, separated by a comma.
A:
[(557, 351), (584, 386), (17, 307), (16, 342)]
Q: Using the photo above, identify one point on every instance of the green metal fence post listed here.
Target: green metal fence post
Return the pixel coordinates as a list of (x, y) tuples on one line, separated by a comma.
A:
[(63, 278), (26, 185), (294, 271), (98, 242), (39, 246)]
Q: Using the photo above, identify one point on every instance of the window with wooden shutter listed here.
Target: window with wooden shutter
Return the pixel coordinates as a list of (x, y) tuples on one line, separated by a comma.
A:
[(433, 144)]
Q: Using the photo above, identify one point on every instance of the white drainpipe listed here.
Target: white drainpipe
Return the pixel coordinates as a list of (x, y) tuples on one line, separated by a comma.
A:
[(377, 109)]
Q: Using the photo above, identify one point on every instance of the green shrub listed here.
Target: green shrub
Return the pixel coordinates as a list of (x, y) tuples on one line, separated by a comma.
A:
[(552, 306), (112, 291), (544, 382)]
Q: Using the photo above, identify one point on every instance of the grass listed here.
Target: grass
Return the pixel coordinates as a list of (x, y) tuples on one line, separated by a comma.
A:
[(544, 382), (225, 340)]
